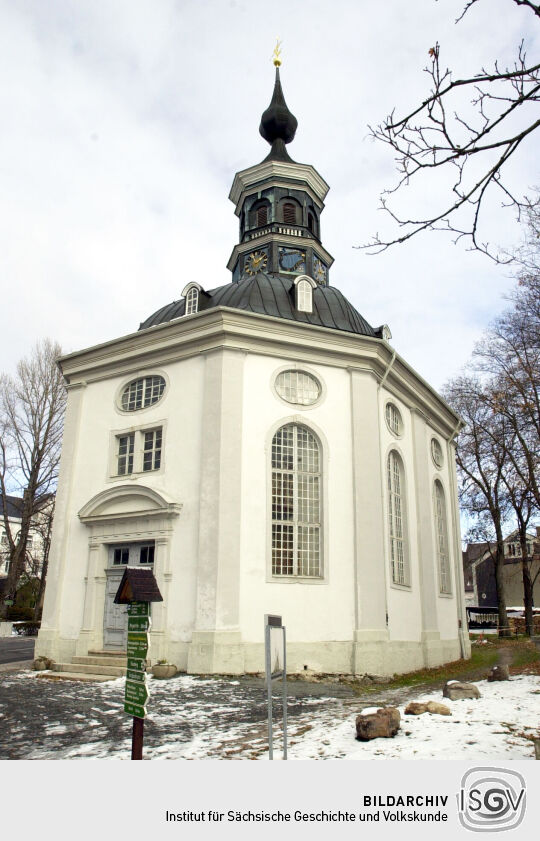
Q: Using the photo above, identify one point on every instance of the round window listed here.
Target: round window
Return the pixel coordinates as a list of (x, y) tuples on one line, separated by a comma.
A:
[(393, 419), (436, 453), (298, 388), (138, 394)]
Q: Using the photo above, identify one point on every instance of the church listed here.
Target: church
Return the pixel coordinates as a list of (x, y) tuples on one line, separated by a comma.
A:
[(263, 449)]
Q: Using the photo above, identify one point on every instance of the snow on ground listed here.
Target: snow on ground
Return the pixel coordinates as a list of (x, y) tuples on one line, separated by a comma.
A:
[(493, 727), (202, 718)]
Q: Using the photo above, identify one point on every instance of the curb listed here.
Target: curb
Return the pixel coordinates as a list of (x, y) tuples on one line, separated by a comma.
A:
[(18, 664)]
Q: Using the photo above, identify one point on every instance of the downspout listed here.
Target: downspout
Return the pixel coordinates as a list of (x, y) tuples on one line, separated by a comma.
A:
[(457, 548), (383, 501)]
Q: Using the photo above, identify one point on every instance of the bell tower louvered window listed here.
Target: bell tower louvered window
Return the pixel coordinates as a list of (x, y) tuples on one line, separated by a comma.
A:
[(262, 215), (289, 213)]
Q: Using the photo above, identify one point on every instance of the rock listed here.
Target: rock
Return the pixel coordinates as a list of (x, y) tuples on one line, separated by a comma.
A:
[(164, 670), (499, 673), (455, 691), (438, 709), (419, 707), (41, 663), (382, 723), (416, 708)]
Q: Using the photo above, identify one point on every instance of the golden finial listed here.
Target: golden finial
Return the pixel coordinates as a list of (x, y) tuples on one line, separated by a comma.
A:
[(277, 54)]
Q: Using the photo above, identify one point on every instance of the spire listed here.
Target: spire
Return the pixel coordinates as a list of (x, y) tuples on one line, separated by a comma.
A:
[(278, 125)]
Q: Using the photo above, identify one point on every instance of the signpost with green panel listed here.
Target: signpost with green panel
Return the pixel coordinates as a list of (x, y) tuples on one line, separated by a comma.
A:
[(138, 589)]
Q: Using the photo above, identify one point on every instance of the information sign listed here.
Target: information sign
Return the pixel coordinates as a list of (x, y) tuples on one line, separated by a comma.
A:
[(134, 709), (137, 676), (136, 693), (137, 645), (136, 665), (139, 623), (139, 609)]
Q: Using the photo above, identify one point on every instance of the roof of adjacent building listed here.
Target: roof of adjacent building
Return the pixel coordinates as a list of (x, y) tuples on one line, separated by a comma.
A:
[(13, 506), (274, 295)]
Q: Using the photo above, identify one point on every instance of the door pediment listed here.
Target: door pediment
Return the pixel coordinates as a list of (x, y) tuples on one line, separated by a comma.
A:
[(127, 501)]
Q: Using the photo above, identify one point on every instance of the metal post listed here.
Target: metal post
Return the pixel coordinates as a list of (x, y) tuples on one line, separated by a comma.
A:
[(284, 679), (269, 690), (137, 738)]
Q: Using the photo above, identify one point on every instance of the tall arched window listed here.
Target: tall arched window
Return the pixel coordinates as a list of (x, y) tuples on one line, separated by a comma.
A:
[(296, 502), (397, 526), (192, 300), (441, 536)]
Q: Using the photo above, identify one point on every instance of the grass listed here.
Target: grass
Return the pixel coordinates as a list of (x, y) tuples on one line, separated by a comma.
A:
[(520, 653)]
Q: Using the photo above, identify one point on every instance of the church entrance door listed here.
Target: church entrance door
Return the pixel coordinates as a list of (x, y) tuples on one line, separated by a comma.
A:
[(115, 615)]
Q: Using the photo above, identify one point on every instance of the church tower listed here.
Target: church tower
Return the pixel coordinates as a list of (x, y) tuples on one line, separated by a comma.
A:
[(279, 204)]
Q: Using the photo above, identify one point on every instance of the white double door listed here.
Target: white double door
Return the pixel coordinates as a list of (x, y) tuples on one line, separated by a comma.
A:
[(115, 615)]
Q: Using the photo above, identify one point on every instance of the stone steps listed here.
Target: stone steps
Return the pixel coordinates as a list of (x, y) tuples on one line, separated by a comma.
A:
[(73, 676), (94, 666)]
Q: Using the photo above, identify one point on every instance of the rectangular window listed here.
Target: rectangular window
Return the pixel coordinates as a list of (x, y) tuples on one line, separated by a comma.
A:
[(126, 447), (4, 539), (138, 452), (147, 554), (121, 555), (152, 450)]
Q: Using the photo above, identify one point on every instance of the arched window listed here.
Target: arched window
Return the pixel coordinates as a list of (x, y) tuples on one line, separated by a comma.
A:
[(259, 213), (289, 213), (192, 300), (262, 215), (441, 536), (296, 502), (304, 301), (396, 520), (312, 222)]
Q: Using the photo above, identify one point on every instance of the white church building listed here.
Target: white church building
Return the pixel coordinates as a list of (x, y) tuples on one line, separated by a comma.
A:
[(264, 450)]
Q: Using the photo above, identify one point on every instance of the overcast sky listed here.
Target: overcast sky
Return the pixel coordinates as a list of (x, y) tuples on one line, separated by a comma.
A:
[(124, 121)]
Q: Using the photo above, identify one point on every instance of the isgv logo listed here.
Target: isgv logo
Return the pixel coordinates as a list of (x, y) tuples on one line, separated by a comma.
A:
[(491, 799)]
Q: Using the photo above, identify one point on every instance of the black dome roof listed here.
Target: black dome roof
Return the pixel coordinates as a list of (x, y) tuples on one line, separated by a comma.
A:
[(274, 295)]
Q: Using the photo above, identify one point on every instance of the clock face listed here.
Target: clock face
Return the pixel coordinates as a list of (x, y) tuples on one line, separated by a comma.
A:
[(319, 271), (255, 262), (292, 260)]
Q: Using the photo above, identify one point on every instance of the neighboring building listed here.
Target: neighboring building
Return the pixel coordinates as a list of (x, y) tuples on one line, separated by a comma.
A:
[(35, 545), (479, 571), (264, 450)]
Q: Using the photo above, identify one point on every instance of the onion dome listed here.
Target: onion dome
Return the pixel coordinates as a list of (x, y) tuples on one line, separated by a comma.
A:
[(278, 126)]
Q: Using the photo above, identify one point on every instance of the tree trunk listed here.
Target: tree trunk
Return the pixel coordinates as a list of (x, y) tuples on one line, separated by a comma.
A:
[(527, 586), (504, 629)]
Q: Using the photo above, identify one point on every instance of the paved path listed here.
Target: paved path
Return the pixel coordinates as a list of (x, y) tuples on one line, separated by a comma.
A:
[(189, 717), (15, 649)]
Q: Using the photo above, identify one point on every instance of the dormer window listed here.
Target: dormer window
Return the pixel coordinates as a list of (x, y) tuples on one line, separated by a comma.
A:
[(304, 293), (191, 293)]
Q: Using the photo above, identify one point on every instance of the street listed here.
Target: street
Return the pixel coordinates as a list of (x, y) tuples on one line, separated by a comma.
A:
[(16, 649)]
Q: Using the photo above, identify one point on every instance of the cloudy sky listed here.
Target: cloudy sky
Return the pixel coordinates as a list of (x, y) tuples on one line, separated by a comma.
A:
[(124, 121)]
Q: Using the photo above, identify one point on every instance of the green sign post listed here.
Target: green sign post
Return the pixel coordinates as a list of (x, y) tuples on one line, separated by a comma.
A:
[(138, 589)]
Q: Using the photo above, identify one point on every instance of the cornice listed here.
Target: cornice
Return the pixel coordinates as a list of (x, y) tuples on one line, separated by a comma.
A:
[(278, 169), (225, 327)]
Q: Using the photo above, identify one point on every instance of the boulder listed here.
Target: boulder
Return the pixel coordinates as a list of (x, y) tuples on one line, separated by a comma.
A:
[(370, 680), (42, 663), (381, 723), (455, 691), (416, 708), (499, 673), (438, 709), (419, 707)]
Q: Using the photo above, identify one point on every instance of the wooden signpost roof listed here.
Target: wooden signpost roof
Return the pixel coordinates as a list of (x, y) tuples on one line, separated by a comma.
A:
[(138, 585)]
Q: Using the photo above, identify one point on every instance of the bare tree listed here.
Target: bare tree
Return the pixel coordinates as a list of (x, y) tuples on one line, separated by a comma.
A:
[(441, 134), (32, 405), (481, 455)]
